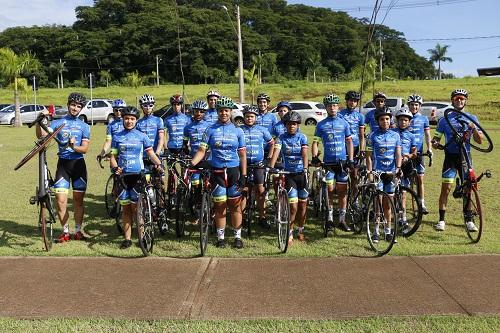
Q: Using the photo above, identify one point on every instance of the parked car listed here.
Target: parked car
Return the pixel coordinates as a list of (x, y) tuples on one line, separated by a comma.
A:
[(311, 112), (98, 110), (3, 106), (434, 110), (29, 112), (394, 104), (59, 112)]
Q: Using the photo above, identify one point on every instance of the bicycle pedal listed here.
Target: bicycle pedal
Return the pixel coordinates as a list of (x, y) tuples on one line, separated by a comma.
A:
[(33, 200)]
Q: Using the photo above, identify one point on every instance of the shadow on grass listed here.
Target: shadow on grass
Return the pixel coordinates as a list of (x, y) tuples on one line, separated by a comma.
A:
[(14, 235)]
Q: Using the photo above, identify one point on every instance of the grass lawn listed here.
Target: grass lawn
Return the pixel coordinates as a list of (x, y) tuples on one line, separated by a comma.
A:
[(19, 235)]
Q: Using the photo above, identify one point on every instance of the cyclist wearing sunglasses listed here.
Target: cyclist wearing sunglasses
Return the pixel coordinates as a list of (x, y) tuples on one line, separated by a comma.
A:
[(452, 162), (175, 124), (151, 125), (113, 127)]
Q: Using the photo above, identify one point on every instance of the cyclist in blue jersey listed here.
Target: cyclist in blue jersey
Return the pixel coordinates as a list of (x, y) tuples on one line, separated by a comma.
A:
[(113, 127), (452, 161), (279, 128), (335, 134), (379, 99), (292, 147), (256, 138), (419, 126), (71, 168), (265, 118), (211, 113), (151, 125), (175, 124), (127, 149), (356, 121), (383, 149), (228, 162)]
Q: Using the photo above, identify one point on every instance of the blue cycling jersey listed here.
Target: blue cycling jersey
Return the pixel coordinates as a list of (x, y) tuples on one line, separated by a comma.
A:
[(333, 131), (193, 133), (211, 116), (383, 144), (418, 125), (291, 150), (114, 127), (280, 128), (408, 140), (356, 120), (129, 147), (460, 124), (152, 126), (224, 141), (175, 127), (73, 128), (267, 120), (256, 138)]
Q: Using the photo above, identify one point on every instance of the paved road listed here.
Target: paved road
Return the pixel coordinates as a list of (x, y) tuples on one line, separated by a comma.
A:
[(213, 288)]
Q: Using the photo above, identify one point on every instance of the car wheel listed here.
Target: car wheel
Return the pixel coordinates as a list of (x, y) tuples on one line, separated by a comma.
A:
[(310, 122), (110, 119), (12, 121), (238, 121), (82, 118)]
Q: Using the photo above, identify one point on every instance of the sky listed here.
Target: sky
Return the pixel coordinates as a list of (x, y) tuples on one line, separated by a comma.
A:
[(417, 19)]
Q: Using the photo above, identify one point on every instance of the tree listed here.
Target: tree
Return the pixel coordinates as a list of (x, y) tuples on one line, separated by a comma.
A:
[(438, 54), (252, 79), (133, 79), (13, 66), (105, 76), (314, 64)]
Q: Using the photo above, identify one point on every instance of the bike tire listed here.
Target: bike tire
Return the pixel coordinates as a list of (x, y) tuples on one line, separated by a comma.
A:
[(355, 212), (324, 208), (205, 222), (283, 220), (476, 212), (118, 220), (374, 215), (249, 211), (145, 226), (46, 221), (111, 193), (315, 193), (413, 211), (41, 144), (180, 212), (448, 114)]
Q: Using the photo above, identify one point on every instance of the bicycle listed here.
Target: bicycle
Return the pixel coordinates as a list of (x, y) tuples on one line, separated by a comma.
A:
[(111, 193), (409, 209), (249, 194), (467, 184), (206, 220), (410, 172), (357, 202), (282, 213), (44, 197)]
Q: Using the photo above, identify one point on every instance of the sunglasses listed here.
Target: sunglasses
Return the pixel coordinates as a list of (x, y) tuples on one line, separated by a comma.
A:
[(117, 109), (147, 105), (459, 98), (413, 104), (199, 110)]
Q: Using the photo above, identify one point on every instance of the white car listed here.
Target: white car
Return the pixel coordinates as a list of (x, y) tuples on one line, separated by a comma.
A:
[(97, 110), (434, 110), (393, 103), (29, 112), (310, 112), (237, 114)]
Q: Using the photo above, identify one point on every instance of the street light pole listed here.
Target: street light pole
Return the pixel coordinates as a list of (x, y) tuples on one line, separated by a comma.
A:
[(240, 51), (157, 71)]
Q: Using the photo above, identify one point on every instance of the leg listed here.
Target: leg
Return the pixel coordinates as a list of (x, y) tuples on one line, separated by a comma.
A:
[(78, 207)]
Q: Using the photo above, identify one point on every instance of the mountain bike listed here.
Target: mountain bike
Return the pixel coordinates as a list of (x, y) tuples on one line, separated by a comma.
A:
[(44, 197)]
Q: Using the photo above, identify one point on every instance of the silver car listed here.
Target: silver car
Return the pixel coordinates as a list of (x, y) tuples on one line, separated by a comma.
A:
[(310, 112), (434, 110), (29, 112)]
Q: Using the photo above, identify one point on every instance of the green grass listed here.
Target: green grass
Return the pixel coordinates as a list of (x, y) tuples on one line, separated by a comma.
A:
[(19, 235), (442, 324)]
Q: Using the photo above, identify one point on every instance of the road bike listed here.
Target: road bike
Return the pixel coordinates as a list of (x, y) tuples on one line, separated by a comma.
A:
[(409, 209), (250, 198), (282, 211), (112, 191)]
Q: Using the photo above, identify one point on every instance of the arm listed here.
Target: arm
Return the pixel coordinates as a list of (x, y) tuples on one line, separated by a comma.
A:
[(276, 154), (314, 149), (350, 148), (361, 139), (83, 148), (427, 133), (199, 156), (242, 153), (271, 149), (161, 141), (398, 157), (105, 147), (305, 157), (369, 160)]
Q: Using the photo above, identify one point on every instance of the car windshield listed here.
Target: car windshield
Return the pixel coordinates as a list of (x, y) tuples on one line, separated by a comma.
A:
[(9, 108)]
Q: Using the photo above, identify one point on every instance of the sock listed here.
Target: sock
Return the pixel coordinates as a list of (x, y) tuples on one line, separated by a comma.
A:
[(78, 228), (220, 233), (423, 203), (237, 233), (66, 228), (441, 214), (342, 215), (301, 230), (387, 231)]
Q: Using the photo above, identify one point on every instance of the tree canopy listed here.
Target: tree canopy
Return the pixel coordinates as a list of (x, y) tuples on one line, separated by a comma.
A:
[(119, 37)]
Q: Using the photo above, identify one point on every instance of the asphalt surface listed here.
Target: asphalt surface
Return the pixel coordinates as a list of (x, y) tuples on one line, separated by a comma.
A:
[(214, 288)]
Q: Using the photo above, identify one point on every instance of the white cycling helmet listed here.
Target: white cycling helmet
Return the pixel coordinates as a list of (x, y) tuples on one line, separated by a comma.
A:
[(415, 99), (146, 99), (404, 112)]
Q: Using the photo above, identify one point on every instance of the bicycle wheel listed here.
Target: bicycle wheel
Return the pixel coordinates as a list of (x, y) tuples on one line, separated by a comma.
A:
[(283, 220), (473, 213), (40, 144), (315, 192), (111, 193), (118, 219), (324, 208), (205, 222), (450, 114), (145, 227), (47, 220), (380, 230), (249, 211), (355, 211), (180, 211), (409, 215)]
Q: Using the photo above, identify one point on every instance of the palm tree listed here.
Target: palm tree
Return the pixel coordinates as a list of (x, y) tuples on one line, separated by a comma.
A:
[(105, 75), (438, 54), (314, 64), (13, 66), (258, 62)]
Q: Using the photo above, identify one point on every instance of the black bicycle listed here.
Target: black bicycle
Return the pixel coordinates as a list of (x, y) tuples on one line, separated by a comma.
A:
[(111, 193), (44, 197), (409, 209)]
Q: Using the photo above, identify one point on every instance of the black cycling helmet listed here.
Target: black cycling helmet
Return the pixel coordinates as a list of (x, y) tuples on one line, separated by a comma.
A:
[(130, 111), (383, 112), (263, 96), (460, 92), (351, 94), (292, 116), (379, 94), (178, 99), (77, 98)]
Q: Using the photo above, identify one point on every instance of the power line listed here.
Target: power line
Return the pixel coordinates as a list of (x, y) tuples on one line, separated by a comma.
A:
[(403, 6)]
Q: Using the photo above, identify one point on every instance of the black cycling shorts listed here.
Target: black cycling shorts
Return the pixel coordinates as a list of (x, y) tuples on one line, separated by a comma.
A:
[(451, 164), (72, 172), (259, 175)]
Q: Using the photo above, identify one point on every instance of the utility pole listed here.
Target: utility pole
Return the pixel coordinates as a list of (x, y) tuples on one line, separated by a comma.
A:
[(61, 73), (381, 53), (157, 71), (91, 108), (260, 68), (34, 89), (240, 56)]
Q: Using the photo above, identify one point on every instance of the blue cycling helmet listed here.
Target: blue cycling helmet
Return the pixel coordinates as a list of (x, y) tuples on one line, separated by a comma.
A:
[(118, 104), (284, 104), (199, 105)]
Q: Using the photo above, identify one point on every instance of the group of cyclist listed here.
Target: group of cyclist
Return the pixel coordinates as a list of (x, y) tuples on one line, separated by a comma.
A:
[(394, 148)]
